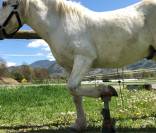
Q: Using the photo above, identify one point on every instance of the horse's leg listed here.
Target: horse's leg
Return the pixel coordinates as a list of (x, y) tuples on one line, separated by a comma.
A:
[(80, 122), (80, 68), (81, 118)]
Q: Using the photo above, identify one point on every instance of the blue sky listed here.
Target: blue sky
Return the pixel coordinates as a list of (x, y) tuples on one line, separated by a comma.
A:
[(16, 52)]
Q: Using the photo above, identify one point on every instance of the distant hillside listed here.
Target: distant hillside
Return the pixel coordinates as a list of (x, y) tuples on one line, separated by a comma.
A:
[(143, 64), (55, 69), (42, 64)]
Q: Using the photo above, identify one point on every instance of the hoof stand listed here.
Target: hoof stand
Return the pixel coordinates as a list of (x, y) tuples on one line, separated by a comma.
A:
[(108, 125)]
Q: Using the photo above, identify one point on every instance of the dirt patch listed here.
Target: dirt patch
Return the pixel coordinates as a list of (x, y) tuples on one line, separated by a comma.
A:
[(8, 81)]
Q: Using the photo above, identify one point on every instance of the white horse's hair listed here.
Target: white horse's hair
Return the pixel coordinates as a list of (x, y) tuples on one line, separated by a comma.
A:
[(81, 39), (26, 3)]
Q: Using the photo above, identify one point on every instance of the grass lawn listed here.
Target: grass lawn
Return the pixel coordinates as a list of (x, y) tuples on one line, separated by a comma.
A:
[(50, 108)]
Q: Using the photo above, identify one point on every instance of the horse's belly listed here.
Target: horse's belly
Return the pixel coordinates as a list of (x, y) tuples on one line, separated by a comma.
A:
[(114, 63), (116, 57)]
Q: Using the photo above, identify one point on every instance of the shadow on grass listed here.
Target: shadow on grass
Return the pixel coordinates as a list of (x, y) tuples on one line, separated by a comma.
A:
[(69, 130), (96, 130), (53, 128), (39, 129)]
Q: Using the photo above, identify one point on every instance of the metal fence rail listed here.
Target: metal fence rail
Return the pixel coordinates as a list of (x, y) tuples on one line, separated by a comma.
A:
[(140, 74), (25, 34)]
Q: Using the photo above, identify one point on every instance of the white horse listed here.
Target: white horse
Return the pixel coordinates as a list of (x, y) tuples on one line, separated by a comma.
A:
[(81, 39)]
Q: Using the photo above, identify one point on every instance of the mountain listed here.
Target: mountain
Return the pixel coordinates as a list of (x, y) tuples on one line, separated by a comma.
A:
[(52, 67), (42, 64), (142, 64), (56, 70)]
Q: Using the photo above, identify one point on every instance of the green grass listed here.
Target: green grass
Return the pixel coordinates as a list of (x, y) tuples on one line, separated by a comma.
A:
[(27, 108)]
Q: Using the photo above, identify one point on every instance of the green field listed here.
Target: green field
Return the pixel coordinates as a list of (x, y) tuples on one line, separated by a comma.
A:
[(50, 109)]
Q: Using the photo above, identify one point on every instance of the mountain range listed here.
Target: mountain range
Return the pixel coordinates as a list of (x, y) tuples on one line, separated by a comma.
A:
[(55, 69), (52, 67)]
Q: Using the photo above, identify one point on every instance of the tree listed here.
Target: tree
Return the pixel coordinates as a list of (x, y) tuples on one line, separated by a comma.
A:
[(40, 74), (3, 68), (26, 72), (17, 75)]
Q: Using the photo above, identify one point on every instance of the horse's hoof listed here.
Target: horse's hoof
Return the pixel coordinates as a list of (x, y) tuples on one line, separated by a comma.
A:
[(78, 126), (107, 91), (112, 91)]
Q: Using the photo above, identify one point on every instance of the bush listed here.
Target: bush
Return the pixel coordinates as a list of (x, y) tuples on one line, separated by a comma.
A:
[(17, 75)]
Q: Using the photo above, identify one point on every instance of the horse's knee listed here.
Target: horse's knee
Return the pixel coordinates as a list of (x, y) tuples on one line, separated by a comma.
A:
[(72, 87)]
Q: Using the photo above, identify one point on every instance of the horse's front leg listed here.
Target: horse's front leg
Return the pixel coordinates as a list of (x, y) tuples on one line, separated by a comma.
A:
[(80, 122), (80, 68)]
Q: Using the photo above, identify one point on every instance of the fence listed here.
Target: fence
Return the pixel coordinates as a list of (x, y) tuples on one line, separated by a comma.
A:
[(138, 74), (25, 34)]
